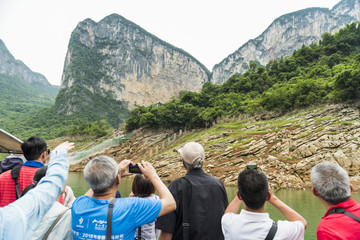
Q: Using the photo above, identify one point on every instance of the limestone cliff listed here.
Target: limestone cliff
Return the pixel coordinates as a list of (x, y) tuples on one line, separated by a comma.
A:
[(118, 60), (286, 34)]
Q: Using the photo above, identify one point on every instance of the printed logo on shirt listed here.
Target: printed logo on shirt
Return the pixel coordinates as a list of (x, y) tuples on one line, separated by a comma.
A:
[(81, 220), (100, 224)]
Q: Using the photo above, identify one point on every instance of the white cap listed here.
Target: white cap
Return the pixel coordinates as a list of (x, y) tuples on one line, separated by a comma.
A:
[(193, 154)]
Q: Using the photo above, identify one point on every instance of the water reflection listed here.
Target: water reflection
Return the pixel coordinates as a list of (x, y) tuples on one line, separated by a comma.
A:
[(303, 202)]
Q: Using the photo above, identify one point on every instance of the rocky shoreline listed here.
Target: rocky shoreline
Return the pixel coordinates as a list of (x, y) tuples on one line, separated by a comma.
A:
[(284, 147)]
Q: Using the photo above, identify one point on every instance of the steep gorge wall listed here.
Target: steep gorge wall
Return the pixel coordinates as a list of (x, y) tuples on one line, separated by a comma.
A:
[(286, 34), (118, 59)]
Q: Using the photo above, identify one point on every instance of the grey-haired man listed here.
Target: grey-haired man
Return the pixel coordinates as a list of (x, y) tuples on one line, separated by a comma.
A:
[(332, 186), (205, 200)]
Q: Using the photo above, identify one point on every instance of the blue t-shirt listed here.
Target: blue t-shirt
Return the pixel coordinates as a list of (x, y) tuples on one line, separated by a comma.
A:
[(89, 217)]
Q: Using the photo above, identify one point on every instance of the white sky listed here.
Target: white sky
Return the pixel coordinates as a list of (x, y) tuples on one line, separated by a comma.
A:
[(37, 32)]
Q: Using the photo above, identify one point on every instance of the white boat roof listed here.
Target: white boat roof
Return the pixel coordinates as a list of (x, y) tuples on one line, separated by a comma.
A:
[(9, 143)]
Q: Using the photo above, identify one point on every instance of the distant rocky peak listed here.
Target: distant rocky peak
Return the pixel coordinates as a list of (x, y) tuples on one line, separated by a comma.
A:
[(16, 68), (118, 60), (348, 7), (286, 34)]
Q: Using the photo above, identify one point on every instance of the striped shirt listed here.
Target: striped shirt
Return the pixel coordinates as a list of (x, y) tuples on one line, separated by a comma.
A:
[(7, 184)]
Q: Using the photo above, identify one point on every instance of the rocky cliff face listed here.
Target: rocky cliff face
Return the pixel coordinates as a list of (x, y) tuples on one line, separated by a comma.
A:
[(15, 68), (117, 59), (285, 148), (286, 34)]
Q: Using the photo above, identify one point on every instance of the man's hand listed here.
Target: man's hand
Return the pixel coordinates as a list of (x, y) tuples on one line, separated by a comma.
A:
[(272, 198), (148, 170), (123, 166), (167, 199), (234, 206), (66, 145), (289, 213)]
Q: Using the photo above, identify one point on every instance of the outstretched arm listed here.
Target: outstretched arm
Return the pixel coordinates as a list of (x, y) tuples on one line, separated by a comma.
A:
[(22, 217), (289, 213), (234, 206), (168, 201)]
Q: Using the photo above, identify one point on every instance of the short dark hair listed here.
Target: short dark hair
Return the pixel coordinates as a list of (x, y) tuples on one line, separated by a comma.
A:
[(253, 188), (142, 187), (33, 147)]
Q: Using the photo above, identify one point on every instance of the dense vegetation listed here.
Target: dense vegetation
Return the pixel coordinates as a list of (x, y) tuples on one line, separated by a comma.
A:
[(18, 98), (324, 72), (97, 129), (48, 124), (74, 107)]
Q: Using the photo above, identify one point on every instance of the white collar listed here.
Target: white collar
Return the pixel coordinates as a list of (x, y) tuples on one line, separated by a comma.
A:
[(255, 216)]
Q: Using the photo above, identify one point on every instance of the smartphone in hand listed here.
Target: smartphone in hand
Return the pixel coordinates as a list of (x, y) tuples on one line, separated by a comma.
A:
[(134, 168)]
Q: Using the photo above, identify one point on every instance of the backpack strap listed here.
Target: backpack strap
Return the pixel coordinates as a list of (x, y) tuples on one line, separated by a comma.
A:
[(15, 173), (272, 232), (139, 234), (109, 219), (54, 224), (343, 211), (185, 208)]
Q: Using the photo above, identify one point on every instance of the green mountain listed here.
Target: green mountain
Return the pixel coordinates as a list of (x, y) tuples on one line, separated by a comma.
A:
[(19, 97), (9, 66), (22, 91), (286, 34), (324, 72)]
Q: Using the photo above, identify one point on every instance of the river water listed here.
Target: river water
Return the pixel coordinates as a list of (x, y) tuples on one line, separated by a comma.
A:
[(303, 202)]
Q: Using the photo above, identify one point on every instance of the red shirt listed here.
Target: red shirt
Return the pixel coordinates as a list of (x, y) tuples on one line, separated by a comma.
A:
[(7, 184), (338, 225)]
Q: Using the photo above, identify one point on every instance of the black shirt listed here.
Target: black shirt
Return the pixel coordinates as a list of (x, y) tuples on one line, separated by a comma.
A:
[(207, 203)]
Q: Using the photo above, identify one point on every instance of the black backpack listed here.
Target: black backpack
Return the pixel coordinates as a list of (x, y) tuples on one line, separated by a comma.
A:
[(13, 163)]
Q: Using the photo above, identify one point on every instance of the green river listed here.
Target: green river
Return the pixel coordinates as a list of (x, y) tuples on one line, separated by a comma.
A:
[(303, 202)]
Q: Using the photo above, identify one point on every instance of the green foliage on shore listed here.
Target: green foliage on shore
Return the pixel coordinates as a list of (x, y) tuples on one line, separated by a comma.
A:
[(49, 124), (324, 72), (98, 129)]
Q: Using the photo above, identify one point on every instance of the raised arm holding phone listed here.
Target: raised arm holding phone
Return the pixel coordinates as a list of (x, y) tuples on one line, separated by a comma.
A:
[(90, 212)]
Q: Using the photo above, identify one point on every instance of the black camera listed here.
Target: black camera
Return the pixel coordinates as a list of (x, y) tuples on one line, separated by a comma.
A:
[(134, 168), (251, 166)]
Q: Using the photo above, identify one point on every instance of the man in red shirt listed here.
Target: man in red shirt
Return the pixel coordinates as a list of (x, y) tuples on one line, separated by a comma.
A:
[(36, 152), (332, 186)]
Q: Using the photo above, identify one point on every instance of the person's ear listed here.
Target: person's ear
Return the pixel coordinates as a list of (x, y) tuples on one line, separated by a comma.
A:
[(238, 195), (351, 188), (117, 179), (316, 194), (183, 162), (43, 156), (268, 196)]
